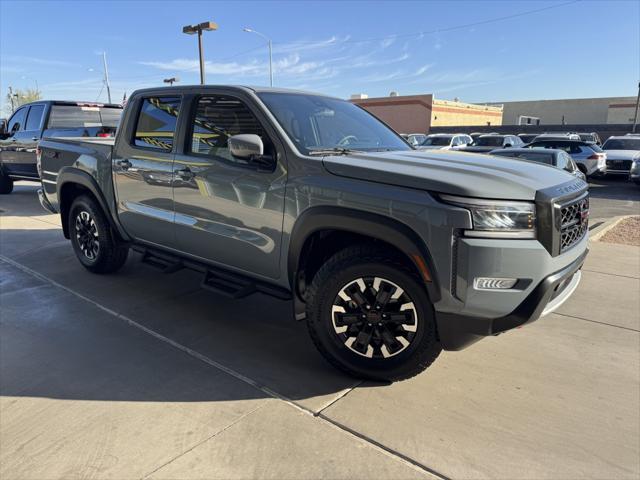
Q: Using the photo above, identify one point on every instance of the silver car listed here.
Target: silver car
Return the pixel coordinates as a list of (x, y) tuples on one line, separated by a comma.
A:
[(591, 159), (555, 158), (445, 141), (621, 152)]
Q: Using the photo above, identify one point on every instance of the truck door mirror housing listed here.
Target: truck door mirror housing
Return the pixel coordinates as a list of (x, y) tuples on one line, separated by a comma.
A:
[(245, 146)]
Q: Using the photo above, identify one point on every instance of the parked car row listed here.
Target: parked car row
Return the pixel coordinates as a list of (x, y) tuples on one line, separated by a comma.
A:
[(615, 157)]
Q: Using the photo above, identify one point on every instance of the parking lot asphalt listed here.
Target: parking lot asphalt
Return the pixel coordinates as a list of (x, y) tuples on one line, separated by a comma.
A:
[(141, 374)]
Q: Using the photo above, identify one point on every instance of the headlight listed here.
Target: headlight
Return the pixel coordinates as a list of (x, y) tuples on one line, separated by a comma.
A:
[(495, 218)]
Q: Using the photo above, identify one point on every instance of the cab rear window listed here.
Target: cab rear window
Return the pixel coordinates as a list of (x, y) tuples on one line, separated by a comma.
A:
[(156, 125), (77, 116)]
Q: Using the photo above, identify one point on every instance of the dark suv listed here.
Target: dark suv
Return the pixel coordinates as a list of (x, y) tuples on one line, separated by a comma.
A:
[(47, 118)]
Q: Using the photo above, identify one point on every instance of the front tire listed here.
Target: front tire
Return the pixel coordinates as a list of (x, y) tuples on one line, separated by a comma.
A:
[(6, 184), (94, 241), (370, 316)]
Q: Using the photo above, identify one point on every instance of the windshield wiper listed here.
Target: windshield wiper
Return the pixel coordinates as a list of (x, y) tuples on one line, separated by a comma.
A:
[(332, 151)]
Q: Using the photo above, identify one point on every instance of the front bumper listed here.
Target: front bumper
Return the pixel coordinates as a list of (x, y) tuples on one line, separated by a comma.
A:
[(44, 202), (457, 331)]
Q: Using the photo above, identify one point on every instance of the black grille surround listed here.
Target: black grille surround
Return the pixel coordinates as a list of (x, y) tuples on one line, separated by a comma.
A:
[(562, 216)]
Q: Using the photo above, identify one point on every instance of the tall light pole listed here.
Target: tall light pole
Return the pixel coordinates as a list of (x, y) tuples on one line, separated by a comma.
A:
[(199, 28), (106, 75), (635, 117), (250, 30)]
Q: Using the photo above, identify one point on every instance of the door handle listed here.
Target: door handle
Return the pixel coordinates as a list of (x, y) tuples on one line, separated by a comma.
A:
[(124, 164), (185, 173)]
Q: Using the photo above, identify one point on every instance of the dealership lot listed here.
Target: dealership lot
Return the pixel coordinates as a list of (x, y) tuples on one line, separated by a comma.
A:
[(142, 374)]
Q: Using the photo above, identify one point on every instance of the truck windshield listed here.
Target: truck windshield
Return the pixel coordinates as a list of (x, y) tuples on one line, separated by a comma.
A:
[(75, 116), (316, 123)]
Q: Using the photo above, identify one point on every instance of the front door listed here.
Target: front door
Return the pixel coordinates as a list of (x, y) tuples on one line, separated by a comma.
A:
[(10, 155), (27, 142), (143, 170), (227, 211)]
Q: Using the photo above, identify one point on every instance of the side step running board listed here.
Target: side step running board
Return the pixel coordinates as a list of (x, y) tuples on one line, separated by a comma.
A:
[(164, 263), (228, 285), (218, 280)]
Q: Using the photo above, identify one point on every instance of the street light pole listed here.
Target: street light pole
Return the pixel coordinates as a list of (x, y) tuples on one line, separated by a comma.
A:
[(106, 75), (199, 28), (250, 30), (635, 117)]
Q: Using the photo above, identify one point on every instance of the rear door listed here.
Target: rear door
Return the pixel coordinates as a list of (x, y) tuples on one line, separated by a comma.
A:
[(143, 169)]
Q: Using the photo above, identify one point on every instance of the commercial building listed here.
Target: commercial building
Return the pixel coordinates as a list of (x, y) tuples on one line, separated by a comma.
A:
[(418, 113), (574, 111)]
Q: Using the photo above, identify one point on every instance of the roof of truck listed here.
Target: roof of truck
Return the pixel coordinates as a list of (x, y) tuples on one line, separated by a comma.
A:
[(73, 102), (251, 88)]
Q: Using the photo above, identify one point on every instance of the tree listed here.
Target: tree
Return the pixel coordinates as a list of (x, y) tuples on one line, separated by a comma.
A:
[(15, 98)]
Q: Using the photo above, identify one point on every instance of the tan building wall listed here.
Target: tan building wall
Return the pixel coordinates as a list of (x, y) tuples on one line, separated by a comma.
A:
[(451, 113), (621, 112), (574, 110), (417, 113), (407, 114)]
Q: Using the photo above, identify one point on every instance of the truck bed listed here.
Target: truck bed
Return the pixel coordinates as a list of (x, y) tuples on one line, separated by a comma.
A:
[(89, 154)]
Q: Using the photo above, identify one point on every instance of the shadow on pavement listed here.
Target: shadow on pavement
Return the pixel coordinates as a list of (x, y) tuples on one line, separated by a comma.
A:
[(56, 344)]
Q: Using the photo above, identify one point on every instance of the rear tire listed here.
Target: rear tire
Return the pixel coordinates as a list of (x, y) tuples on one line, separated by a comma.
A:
[(394, 342), (94, 241), (6, 184)]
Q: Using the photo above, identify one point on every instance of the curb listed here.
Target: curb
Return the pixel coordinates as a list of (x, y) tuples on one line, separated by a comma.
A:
[(601, 230)]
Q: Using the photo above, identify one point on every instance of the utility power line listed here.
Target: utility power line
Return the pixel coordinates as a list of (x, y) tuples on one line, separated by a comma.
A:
[(438, 30)]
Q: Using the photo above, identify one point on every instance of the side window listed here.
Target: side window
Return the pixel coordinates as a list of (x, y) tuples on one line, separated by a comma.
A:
[(218, 118), (156, 125), (34, 117), (16, 122), (575, 149), (562, 160)]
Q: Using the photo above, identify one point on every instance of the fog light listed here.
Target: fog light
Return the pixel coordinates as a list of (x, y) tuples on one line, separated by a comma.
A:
[(488, 283)]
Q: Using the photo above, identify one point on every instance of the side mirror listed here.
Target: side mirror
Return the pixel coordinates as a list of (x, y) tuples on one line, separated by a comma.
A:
[(507, 145), (245, 146)]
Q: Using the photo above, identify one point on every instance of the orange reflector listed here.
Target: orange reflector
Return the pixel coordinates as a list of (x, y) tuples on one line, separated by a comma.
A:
[(422, 267)]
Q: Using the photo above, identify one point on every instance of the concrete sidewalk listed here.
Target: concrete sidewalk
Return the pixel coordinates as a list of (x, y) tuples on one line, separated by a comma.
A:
[(145, 375)]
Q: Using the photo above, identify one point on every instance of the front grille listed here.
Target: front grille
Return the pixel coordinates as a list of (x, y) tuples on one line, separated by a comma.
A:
[(619, 164), (574, 222)]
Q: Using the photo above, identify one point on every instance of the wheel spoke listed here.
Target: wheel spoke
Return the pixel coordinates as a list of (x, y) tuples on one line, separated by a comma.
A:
[(363, 339), (347, 319)]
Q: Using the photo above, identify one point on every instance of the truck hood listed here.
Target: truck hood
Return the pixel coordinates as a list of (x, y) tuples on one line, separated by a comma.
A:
[(451, 172), (622, 154)]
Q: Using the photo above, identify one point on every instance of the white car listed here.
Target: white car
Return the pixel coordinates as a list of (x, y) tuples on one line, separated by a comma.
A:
[(414, 139), (621, 152), (445, 141)]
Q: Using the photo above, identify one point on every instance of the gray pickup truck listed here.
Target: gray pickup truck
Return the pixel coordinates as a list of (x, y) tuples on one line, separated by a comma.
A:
[(390, 254)]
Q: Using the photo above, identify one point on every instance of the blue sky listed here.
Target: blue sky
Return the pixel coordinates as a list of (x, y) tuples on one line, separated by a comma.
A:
[(578, 49)]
